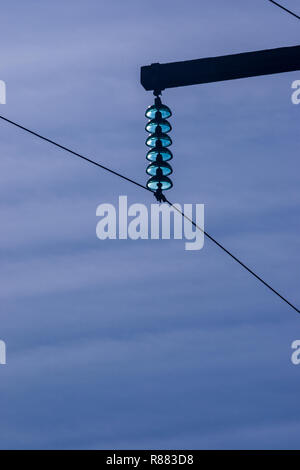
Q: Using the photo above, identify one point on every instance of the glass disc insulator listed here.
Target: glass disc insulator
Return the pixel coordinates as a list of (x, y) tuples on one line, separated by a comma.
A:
[(158, 106), (163, 123), (165, 168), (165, 153), (154, 138), (166, 183)]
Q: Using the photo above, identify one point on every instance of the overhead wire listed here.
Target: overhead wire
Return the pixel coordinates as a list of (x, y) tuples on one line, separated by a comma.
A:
[(233, 257), (285, 9), (120, 175)]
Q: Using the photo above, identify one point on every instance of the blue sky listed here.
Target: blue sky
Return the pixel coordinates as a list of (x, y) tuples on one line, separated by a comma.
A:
[(141, 344)]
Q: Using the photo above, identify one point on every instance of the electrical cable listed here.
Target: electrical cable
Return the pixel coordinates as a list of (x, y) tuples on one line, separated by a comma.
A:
[(147, 189), (285, 9), (234, 257)]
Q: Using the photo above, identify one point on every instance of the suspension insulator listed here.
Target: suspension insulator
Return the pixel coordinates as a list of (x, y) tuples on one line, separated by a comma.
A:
[(158, 106), (159, 135), (159, 154), (165, 168), (159, 181), (165, 153), (151, 126)]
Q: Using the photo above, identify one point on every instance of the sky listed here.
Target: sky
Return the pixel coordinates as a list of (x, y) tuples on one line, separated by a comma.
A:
[(123, 344)]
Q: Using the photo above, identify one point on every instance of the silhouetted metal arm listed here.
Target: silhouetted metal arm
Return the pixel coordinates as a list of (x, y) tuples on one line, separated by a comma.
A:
[(215, 69)]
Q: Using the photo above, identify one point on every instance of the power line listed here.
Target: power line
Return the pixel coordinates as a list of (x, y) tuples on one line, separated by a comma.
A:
[(74, 153), (147, 189), (285, 9), (232, 256)]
